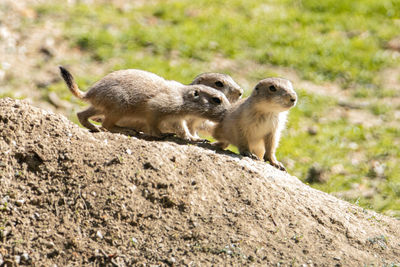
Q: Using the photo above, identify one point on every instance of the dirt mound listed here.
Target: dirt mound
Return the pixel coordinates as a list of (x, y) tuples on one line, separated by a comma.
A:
[(70, 197)]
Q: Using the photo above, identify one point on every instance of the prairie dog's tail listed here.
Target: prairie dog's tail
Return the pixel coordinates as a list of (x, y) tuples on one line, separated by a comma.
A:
[(69, 80)]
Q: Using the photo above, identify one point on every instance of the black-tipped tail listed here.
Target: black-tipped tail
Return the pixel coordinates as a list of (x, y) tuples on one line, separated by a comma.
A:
[(69, 80), (67, 76)]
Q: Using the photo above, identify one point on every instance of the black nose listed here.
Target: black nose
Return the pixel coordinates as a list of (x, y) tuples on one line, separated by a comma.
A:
[(293, 99)]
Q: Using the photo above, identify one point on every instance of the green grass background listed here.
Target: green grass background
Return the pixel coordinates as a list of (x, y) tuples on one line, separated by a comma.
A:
[(342, 42)]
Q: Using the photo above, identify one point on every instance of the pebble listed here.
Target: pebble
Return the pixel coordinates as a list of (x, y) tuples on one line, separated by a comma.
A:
[(132, 188), (353, 146), (20, 202), (50, 244), (99, 235), (25, 256), (4, 200), (312, 130)]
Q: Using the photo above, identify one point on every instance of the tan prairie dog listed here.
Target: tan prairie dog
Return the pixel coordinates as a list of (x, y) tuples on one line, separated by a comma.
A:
[(145, 97), (254, 124), (188, 128), (219, 81)]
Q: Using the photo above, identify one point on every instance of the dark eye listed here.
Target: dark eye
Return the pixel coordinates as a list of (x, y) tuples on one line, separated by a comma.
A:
[(196, 93), (216, 100), (272, 88), (219, 84)]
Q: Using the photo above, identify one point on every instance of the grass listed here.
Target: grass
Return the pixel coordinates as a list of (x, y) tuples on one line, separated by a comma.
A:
[(323, 41), (340, 143), (336, 41)]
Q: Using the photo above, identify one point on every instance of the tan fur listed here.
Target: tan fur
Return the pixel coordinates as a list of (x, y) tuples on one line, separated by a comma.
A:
[(136, 95), (191, 125), (254, 124), (221, 82)]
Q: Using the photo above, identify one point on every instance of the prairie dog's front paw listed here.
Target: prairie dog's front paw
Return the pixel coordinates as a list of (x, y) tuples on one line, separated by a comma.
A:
[(277, 165)]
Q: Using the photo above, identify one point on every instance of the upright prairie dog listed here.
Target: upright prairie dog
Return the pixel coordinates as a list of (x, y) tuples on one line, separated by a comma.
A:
[(145, 97), (254, 124)]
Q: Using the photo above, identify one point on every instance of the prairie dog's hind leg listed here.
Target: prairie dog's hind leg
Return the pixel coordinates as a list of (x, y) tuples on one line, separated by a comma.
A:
[(256, 147), (110, 121), (85, 115)]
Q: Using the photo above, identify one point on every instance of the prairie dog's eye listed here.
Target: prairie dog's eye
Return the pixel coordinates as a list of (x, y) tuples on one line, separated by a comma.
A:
[(219, 84), (216, 100), (196, 93), (272, 88)]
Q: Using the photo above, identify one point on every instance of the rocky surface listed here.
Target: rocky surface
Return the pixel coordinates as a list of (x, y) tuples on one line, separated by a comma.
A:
[(70, 197)]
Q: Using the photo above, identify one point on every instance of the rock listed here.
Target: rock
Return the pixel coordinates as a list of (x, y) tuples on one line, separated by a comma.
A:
[(316, 174), (394, 44), (312, 130)]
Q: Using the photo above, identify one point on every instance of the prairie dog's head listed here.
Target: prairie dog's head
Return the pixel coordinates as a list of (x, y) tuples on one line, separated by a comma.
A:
[(274, 94), (221, 82), (205, 102)]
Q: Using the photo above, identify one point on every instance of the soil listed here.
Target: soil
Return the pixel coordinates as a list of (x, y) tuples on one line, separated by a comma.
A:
[(69, 197)]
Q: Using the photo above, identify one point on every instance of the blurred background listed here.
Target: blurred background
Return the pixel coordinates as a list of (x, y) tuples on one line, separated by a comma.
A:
[(342, 57)]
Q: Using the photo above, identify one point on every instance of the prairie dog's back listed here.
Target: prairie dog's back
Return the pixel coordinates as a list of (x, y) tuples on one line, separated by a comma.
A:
[(129, 88)]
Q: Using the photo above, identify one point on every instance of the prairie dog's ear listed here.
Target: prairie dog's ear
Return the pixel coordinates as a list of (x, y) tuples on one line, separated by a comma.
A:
[(198, 80)]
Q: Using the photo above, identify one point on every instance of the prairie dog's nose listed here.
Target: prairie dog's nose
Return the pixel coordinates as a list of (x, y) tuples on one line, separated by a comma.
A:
[(292, 98)]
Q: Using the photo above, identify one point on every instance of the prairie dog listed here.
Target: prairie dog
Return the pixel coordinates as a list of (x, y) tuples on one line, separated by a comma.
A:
[(255, 124), (220, 82), (146, 97)]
